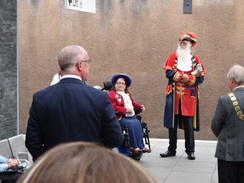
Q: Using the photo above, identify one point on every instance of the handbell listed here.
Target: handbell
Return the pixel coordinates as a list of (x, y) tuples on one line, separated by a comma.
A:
[(197, 71)]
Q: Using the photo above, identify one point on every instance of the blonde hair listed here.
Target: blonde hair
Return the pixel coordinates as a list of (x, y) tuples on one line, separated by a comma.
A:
[(84, 162)]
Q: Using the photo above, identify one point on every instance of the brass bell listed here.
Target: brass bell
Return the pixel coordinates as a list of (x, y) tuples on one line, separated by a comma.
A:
[(197, 71)]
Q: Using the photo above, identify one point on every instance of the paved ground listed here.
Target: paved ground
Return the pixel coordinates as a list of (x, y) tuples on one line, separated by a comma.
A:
[(179, 169)]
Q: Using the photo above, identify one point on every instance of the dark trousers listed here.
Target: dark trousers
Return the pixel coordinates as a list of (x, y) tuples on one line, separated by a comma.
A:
[(189, 134), (9, 177), (230, 171)]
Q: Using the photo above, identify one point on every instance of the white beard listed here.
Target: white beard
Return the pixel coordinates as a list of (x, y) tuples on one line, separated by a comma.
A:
[(184, 58)]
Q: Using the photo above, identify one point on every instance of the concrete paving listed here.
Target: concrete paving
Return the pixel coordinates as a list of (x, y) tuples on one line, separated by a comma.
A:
[(179, 169)]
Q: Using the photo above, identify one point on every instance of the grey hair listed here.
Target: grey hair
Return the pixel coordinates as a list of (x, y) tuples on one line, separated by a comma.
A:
[(237, 74)]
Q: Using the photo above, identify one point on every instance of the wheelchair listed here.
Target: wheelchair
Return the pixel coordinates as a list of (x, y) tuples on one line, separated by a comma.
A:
[(125, 147)]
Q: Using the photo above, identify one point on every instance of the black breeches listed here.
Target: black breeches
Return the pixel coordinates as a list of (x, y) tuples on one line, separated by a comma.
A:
[(189, 134)]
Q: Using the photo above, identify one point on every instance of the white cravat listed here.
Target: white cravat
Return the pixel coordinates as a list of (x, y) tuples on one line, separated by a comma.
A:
[(184, 65), (127, 102)]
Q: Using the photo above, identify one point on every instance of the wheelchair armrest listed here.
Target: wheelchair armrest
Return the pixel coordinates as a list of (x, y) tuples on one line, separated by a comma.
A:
[(138, 111), (25, 162), (22, 155)]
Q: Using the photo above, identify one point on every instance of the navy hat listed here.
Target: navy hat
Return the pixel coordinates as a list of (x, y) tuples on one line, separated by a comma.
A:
[(121, 75)]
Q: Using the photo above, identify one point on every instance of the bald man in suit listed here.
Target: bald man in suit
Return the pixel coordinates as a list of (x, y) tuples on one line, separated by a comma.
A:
[(71, 110)]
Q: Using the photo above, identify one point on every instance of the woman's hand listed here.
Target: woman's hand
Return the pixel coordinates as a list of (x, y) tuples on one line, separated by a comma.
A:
[(143, 107)]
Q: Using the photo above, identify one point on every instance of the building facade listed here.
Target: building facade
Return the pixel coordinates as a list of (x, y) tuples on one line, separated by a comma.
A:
[(133, 37)]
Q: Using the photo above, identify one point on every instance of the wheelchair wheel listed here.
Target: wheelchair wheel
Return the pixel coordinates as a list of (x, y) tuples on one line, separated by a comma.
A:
[(137, 158)]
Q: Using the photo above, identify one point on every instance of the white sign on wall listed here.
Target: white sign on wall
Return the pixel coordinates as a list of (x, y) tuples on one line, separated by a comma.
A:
[(81, 5)]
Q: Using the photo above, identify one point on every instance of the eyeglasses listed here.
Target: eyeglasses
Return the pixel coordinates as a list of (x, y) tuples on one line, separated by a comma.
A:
[(89, 61), (119, 83)]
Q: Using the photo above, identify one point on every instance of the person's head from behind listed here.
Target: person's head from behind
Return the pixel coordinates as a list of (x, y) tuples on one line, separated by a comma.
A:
[(74, 59), (236, 76), (120, 82), (84, 162)]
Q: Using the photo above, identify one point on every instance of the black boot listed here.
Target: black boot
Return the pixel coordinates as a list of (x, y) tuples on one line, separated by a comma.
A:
[(167, 154), (191, 156)]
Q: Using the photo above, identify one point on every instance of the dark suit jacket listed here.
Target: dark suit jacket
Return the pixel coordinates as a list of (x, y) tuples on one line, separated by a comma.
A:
[(71, 111), (229, 129)]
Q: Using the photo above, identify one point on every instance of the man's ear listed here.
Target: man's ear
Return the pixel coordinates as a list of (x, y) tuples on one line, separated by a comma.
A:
[(232, 81), (80, 66)]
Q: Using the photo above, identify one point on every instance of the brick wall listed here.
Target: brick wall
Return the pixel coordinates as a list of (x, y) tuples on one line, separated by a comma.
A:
[(8, 68)]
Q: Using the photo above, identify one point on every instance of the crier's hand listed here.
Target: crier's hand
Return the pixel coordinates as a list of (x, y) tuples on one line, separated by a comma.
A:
[(185, 78)]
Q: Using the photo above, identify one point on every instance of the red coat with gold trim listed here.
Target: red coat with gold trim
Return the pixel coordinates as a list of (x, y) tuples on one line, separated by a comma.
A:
[(182, 94), (118, 104)]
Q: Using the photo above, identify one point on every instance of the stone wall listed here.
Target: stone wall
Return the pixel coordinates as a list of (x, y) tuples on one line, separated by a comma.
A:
[(8, 69), (133, 37)]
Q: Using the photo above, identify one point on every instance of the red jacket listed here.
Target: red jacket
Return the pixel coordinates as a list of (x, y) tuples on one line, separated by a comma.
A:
[(118, 103), (183, 94)]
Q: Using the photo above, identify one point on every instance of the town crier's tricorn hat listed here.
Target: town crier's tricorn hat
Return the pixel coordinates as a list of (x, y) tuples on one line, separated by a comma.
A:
[(189, 36)]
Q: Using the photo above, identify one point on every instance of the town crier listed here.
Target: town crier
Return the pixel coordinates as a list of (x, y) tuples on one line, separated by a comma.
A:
[(184, 72)]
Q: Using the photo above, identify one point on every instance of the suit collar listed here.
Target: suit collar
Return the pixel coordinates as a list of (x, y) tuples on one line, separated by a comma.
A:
[(239, 88), (73, 80), (71, 76)]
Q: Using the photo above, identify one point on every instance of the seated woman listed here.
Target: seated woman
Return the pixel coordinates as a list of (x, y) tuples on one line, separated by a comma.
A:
[(124, 106)]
